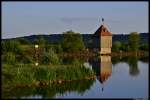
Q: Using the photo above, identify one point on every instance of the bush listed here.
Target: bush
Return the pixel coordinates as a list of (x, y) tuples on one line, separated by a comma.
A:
[(125, 47), (40, 40), (144, 47), (11, 46), (50, 57), (56, 47), (116, 46), (9, 58), (23, 41), (26, 59), (72, 42)]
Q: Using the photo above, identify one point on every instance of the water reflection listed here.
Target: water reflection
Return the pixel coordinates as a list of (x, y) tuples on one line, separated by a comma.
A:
[(132, 61), (48, 92), (103, 68), (133, 66)]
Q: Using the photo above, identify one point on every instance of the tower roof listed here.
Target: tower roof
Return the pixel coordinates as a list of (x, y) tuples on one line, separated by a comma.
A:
[(104, 77), (102, 31)]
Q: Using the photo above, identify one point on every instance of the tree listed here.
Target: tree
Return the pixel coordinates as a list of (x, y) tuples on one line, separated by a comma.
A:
[(40, 40), (125, 47), (133, 66), (134, 41), (72, 42), (116, 46), (23, 41), (144, 47), (11, 46)]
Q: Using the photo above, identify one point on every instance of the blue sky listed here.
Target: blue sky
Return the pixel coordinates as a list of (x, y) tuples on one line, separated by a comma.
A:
[(28, 18)]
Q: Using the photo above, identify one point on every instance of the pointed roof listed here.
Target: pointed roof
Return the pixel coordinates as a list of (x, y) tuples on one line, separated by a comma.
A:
[(102, 31), (104, 77)]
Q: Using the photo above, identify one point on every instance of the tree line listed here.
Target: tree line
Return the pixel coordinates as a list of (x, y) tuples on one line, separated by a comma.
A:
[(133, 44)]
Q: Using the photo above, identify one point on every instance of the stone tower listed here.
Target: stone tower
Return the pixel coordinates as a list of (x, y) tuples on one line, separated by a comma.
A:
[(102, 40)]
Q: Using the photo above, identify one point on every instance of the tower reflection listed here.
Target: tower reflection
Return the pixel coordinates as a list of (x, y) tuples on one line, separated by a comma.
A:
[(103, 68)]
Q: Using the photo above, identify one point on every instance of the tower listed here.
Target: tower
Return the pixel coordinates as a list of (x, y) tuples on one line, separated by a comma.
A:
[(103, 38)]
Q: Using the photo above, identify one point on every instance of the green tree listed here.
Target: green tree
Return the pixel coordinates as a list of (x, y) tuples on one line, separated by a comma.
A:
[(11, 46), (40, 40), (133, 66), (72, 42), (125, 47), (134, 41), (116, 46), (23, 41), (144, 47)]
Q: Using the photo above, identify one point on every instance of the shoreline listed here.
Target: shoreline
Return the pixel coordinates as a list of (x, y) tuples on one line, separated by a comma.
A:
[(46, 83), (91, 54)]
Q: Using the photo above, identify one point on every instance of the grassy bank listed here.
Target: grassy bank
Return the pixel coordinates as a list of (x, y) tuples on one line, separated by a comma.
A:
[(28, 74)]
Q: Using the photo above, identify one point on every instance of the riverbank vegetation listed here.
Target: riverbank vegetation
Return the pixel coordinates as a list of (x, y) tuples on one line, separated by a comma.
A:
[(30, 74), (19, 57), (133, 44)]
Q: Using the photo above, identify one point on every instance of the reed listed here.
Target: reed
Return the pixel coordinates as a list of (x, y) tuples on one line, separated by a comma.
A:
[(21, 74)]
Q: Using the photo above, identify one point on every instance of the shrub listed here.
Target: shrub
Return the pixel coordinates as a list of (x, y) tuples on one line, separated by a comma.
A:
[(144, 47), (9, 58), (23, 41), (72, 42), (50, 57), (11, 46), (116, 46)]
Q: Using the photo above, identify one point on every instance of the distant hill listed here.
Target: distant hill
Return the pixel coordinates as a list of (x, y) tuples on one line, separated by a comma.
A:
[(55, 38), (144, 37)]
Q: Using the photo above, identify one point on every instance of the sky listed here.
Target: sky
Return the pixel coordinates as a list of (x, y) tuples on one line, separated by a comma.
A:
[(32, 18)]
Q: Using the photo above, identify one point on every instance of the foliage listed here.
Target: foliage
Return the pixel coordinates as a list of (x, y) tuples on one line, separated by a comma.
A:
[(125, 47), (132, 45), (133, 66), (23, 41), (72, 42), (26, 59), (11, 46), (56, 47), (50, 91), (144, 47), (23, 74), (50, 57), (40, 40), (134, 41), (9, 58), (116, 46)]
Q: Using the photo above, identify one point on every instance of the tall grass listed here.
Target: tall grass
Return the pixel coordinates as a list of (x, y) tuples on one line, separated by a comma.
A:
[(31, 74), (50, 57), (9, 58)]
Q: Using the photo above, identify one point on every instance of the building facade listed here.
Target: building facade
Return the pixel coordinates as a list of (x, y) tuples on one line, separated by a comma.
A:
[(102, 40)]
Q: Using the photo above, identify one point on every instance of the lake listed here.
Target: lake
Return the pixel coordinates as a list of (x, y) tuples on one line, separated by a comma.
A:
[(116, 77)]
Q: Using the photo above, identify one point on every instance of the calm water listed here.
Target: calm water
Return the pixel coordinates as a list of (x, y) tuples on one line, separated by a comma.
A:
[(116, 78)]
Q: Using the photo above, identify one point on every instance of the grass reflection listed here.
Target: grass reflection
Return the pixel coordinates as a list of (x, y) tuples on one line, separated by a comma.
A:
[(50, 91)]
